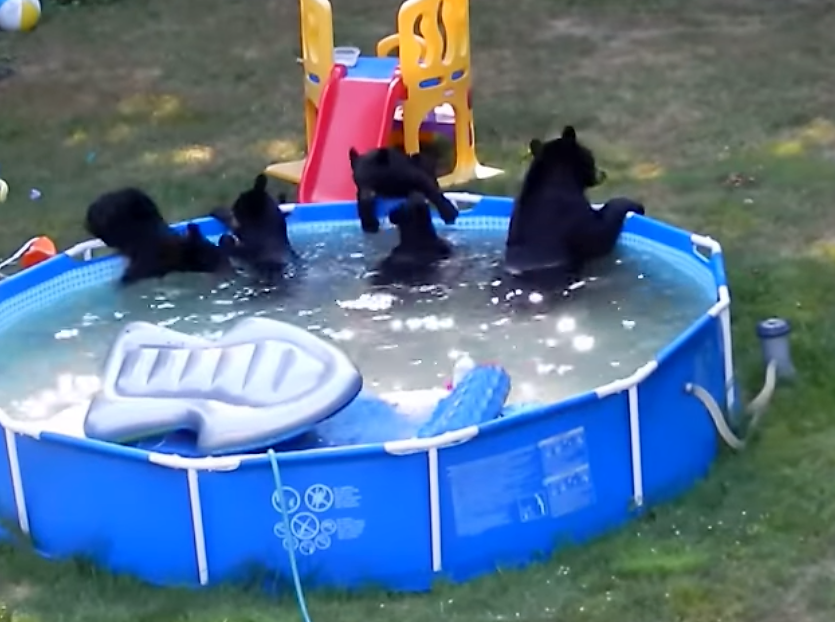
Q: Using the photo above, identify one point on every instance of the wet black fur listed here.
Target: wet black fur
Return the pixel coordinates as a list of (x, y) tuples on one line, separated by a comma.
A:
[(130, 222), (420, 248), (553, 227), (258, 227), (390, 173)]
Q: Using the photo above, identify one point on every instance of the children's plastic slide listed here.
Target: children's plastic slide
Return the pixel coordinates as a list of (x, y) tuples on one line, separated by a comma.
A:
[(353, 112)]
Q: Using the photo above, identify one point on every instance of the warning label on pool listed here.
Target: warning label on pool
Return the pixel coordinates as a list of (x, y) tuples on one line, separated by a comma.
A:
[(549, 479), (310, 524)]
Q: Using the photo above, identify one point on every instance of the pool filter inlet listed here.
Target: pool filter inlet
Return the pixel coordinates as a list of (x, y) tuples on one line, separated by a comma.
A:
[(774, 340)]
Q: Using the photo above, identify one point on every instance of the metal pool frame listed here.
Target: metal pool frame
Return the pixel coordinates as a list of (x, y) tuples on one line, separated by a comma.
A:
[(455, 506)]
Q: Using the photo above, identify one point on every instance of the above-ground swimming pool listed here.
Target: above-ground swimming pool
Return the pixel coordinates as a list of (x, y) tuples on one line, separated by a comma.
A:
[(564, 463)]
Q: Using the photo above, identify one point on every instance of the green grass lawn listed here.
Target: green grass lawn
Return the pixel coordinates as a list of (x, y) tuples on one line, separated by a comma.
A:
[(718, 114)]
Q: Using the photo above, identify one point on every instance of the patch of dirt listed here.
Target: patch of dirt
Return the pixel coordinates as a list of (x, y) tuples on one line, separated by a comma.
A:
[(795, 605)]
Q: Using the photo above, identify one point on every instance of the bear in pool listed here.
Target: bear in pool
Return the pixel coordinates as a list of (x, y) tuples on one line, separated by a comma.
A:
[(390, 173), (420, 248), (130, 222), (258, 228), (553, 229)]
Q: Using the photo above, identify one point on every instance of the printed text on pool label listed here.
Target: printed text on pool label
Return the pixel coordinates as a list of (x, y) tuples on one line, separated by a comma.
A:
[(547, 480)]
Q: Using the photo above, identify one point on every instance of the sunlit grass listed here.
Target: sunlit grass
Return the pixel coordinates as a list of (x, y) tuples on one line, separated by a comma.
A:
[(77, 137), (819, 132), (192, 155), (788, 148), (119, 133), (278, 150), (646, 171), (151, 106)]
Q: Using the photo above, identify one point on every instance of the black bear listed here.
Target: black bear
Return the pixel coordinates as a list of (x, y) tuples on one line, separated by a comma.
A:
[(390, 173), (420, 248), (129, 221), (553, 228), (259, 235)]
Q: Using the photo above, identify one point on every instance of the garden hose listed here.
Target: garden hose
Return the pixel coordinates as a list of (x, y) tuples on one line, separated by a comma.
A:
[(756, 408), (293, 566)]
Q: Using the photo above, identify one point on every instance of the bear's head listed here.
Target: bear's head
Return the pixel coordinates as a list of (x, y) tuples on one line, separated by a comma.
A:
[(388, 161), (255, 207), (567, 157), (375, 156)]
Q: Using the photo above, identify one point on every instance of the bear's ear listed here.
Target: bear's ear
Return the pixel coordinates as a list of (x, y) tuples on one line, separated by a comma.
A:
[(353, 156), (260, 184), (569, 133), (536, 147)]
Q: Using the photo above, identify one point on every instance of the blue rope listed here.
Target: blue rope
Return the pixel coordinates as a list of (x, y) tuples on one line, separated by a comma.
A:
[(289, 535)]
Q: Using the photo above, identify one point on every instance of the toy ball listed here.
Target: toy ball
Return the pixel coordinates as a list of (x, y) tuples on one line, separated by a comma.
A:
[(19, 15), (4, 190)]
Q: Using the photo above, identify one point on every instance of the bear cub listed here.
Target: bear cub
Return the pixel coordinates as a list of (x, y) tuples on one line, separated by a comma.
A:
[(553, 227), (390, 173), (258, 228), (130, 222), (420, 247)]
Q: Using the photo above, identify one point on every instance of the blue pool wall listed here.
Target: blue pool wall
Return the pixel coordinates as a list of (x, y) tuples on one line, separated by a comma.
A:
[(401, 514)]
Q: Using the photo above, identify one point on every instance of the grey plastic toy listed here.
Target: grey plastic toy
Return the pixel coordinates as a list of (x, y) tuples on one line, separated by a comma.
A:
[(262, 382), (346, 55), (774, 339)]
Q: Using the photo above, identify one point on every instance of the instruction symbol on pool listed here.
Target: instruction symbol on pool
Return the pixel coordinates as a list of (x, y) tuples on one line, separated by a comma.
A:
[(304, 526), (307, 547), (307, 526), (306, 533), (323, 541), (319, 498), (292, 500)]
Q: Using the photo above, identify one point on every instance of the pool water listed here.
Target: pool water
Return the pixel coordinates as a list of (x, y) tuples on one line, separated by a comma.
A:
[(402, 337)]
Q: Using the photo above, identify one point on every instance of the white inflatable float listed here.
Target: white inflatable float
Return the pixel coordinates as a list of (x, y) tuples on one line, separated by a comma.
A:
[(260, 383)]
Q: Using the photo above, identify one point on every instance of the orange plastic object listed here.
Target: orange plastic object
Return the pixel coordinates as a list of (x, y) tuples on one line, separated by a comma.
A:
[(39, 250), (352, 113)]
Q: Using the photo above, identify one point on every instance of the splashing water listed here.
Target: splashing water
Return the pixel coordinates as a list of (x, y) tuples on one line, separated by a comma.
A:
[(401, 337)]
